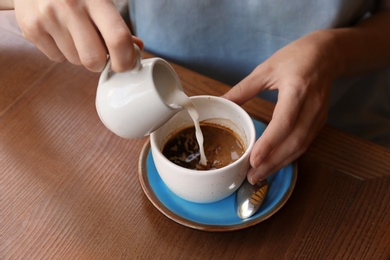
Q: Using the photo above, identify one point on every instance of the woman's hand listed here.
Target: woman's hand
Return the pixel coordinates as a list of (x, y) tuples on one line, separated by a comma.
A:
[(80, 31), (302, 72)]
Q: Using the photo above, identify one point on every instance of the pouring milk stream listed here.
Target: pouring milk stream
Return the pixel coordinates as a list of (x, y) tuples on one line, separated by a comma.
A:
[(135, 103)]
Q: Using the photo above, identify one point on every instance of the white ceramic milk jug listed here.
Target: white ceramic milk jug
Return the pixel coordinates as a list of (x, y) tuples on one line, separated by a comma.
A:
[(134, 103)]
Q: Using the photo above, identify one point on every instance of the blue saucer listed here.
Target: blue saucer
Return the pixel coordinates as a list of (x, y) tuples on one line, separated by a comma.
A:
[(220, 215)]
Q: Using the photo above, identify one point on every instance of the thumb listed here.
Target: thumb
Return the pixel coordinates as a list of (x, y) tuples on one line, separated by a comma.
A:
[(247, 88), (139, 42)]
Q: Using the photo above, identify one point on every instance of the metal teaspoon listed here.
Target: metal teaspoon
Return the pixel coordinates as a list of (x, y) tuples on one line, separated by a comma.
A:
[(250, 197)]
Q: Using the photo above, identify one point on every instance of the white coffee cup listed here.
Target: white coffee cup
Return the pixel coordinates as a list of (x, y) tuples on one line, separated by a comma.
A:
[(133, 104), (208, 185)]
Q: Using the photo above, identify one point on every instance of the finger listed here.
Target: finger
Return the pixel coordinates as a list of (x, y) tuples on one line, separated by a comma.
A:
[(33, 31), (139, 42), (278, 159), (281, 125), (47, 46), (310, 122), (65, 44), (91, 50), (261, 173), (58, 30), (116, 35), (248, 87)]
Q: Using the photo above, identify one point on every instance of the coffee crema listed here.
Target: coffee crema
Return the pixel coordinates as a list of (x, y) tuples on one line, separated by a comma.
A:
[(221, 145)]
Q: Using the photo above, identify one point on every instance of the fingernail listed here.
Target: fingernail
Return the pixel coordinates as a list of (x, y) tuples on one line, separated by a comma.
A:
[(255, 162), (250, 176)]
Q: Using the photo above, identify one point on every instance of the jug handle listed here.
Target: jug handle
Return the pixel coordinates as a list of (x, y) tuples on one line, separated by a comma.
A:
[(107, 72)]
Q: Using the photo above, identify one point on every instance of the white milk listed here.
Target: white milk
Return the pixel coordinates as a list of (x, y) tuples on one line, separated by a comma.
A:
[(180, 99), (198, 132)]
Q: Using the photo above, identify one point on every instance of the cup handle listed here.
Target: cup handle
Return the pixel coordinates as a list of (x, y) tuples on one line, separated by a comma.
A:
[(107, 72)]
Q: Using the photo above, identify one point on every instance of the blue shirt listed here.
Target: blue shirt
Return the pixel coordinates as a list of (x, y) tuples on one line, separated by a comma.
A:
[(227, 39)]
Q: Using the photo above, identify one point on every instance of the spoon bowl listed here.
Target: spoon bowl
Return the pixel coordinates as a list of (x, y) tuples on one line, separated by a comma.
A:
[(250, 197)]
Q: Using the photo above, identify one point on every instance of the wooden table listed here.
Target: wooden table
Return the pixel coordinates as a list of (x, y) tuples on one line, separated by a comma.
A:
[(69, 187)]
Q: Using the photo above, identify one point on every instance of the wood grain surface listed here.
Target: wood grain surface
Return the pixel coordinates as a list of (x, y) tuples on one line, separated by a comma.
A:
[(69, 188)]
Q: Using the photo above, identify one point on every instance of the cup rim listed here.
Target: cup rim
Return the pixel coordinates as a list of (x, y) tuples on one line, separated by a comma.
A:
[(248, 150)]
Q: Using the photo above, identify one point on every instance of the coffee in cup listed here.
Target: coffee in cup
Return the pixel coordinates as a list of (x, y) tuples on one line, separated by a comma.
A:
[(221, 146)]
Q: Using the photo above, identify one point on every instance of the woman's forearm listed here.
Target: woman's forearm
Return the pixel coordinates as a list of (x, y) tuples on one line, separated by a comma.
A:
[(363, 48)]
